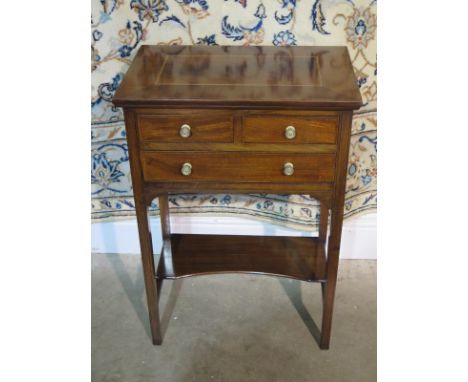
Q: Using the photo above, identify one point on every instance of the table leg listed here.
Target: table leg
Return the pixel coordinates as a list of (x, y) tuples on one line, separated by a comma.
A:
[(147, 258), (323, 225), (323, 232), (329, 286), (166, 254)]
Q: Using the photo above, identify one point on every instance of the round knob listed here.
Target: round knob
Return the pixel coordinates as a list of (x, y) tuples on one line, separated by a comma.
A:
[(288, 169), (184, 131), (290, 132), (186, 169)]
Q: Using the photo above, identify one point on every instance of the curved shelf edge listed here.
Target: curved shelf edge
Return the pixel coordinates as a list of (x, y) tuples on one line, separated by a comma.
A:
[(255, 273)]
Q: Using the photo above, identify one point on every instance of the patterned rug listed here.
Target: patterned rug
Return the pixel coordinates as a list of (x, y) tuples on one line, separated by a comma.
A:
[(119, 27)]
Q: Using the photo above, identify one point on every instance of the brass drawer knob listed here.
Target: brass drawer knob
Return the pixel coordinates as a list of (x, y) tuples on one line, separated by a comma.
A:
[(288, 169), (290, 132), (186, 169), (185, 131)]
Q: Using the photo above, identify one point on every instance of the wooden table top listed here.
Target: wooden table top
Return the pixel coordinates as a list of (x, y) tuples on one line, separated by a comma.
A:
[(235, 76)]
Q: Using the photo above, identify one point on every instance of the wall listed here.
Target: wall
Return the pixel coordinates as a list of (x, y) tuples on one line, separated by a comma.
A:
[(359, 239)]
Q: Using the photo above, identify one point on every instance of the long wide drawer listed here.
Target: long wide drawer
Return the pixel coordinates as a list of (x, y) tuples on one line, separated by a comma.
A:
[(239, 167)]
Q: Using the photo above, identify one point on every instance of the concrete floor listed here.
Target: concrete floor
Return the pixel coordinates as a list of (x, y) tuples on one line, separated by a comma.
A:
[(231, 327)]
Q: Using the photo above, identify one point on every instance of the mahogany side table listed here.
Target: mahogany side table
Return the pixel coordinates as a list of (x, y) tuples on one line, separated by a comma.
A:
[(240, 120)]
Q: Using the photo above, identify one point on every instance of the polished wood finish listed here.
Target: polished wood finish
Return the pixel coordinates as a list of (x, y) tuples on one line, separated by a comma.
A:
[(226, 167), (320, 191), (238, 101), (271, 129), (301, 258), (235, 76), (239, 147), (323, 223), (144, 231), (334, 242), (206, 127)]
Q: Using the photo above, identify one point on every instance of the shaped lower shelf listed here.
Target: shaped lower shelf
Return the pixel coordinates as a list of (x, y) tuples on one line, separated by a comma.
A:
[(301, 258)]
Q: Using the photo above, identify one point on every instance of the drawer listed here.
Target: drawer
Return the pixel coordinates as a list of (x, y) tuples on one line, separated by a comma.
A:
[(186, 128), (237, 167), (303, 130)]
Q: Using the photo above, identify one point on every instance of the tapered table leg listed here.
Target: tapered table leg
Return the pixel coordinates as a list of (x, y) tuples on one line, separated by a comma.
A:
[(166, 253), (323, 225), (332, 271), (336, 223), (323, 231), (147, 258)]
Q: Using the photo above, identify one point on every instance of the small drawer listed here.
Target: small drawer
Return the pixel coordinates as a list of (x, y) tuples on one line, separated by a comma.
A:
[(239, 167), (186, 128), (287, 129)]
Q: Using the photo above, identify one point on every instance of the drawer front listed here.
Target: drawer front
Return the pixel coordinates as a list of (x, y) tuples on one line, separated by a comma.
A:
[(273, 129), (189, 128), (237, 167)]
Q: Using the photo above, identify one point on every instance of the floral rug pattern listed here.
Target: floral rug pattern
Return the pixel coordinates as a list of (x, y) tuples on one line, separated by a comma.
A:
[(119, 27)]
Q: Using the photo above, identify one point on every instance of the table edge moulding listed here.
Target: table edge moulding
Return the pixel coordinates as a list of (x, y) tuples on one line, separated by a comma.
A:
[(209, 119)]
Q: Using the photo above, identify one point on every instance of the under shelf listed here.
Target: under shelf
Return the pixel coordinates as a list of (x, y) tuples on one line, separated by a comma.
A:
[(301, 258)]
